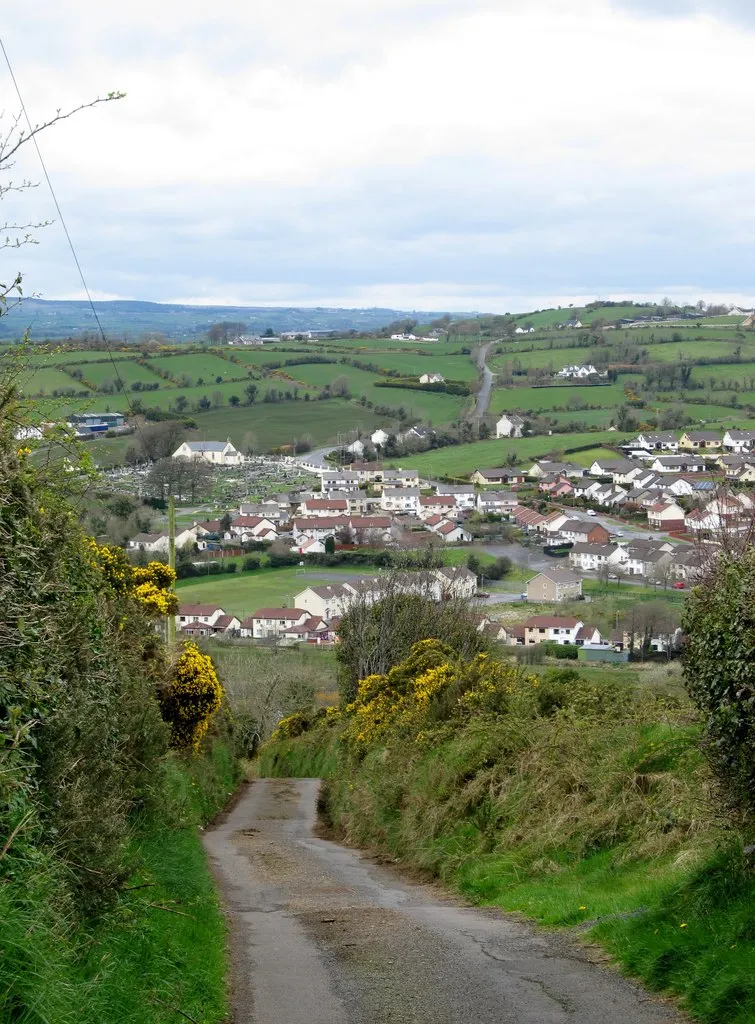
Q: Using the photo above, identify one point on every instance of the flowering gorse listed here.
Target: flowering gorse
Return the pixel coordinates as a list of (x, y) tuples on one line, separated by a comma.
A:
[(431, 685), (191, 698), (150, 585)]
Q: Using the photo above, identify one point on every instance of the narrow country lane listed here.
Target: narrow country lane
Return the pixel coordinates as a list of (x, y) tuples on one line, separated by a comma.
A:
[(483, 395), (321, 935)]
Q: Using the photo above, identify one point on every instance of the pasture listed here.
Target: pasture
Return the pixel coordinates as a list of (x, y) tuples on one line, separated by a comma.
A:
[(205, 366), (43, 380), (461, 460), (513, 399)]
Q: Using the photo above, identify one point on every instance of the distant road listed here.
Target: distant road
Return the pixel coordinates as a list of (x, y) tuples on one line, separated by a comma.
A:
[(483, 395)]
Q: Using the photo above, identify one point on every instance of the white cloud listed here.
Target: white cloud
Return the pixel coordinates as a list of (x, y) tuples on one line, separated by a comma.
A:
[(395, 147)]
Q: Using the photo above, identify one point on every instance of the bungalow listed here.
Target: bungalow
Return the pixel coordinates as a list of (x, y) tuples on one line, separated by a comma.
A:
[(498, 502), (543, 467), (218, 453), (580, 532), (432, 378), (666, 516), (267, 510), (267, 623), (154, 542), (700, 440), (672, 483), (487, 477), (558, 629), (678, 464), (314, 630), (738, 441), (509, 425), (416, 433), (578, 372), (379, 437), (452, 533), (665, 441), (612, 467), (589, 557), (554, 585), (400, 499)]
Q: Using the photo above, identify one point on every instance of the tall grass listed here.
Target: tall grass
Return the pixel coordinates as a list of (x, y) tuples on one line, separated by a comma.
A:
[(158, 951)]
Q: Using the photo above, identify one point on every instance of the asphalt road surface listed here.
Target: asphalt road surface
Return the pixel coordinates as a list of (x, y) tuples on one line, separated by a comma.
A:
[(321, 935)]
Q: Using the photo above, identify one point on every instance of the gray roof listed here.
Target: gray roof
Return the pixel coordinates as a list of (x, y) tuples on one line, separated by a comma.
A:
[(594, 549), (207, 446), (558, 576), (402, 492)]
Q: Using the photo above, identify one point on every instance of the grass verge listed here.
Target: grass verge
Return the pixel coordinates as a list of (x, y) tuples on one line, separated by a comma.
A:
[(158, 952)]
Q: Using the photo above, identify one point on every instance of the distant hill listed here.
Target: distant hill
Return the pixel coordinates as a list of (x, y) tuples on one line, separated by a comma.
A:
[(62, 319)]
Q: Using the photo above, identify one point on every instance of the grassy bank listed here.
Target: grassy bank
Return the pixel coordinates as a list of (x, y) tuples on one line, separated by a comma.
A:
[(582, 805), (159, 950)]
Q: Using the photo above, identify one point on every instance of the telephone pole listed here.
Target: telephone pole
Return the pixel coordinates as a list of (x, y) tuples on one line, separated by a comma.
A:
[(171, 563)]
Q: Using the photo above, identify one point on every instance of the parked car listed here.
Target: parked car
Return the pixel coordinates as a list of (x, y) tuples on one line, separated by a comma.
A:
[(591, 512), (679, 585)]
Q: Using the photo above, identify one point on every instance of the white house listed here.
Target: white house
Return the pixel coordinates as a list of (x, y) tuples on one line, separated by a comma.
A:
[(340, 480), (558, 629), (400, 499), (379, 437), (325, 601), (401, 477), (218, 453), (666, 441), (245, 528), (464, 495), (678, 464), (432, 378), (154, 542), (578, 372), (524, 330), (666, 516), (456, 581), (326, 507), (267, 623), (738, 441), (209, 614), (589, 557), (452, 533), (356, 448), (509, 425)]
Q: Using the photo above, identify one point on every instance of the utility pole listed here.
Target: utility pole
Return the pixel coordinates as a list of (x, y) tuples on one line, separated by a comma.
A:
[(171, 563)]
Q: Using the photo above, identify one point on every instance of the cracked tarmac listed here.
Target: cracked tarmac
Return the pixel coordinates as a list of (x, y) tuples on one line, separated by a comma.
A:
[(322, 935)]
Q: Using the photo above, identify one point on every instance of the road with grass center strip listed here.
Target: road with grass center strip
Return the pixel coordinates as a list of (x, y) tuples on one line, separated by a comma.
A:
[(320, 934)]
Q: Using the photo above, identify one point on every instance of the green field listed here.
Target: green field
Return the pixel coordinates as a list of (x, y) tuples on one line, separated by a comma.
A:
[(434, 408), (279, 423), (413, 365), (542, 358), (205, 365), (461, 460), (513, 399), (243, 593), (43, 380), (128, 370), (738, 371)]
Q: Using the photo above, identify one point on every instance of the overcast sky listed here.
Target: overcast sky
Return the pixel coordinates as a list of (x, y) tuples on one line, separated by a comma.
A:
[(445, 154)]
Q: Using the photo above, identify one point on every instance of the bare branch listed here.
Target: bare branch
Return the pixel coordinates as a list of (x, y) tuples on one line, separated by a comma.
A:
[(10, 144)]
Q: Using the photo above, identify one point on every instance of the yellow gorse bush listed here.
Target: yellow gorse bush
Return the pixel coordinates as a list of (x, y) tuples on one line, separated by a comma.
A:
[(150, 585), (191, 698), (404, 699)]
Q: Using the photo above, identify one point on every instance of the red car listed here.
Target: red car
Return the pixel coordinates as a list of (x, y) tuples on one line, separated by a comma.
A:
[(680, 585)]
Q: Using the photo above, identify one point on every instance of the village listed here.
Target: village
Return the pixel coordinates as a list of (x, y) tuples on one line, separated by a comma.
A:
[(650, 514)]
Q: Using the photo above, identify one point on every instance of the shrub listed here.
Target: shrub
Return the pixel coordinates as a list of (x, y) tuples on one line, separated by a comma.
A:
[(191, 698), (719, 671)]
